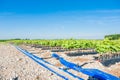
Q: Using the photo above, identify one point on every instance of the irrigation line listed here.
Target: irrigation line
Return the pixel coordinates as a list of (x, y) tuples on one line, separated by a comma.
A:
[(59, 68), (29, 55), (37, 59), (100, 75)]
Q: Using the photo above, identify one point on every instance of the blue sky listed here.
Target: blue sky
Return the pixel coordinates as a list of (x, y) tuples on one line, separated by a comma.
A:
[(49, 19)]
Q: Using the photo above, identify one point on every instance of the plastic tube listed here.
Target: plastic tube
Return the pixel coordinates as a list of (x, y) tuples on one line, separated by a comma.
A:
[(100, 75), (36, 59)]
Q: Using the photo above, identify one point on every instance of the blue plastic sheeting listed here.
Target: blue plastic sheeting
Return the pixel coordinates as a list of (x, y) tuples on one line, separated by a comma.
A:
[(36, 59), (31, 56), (100, 75), (59, 68)]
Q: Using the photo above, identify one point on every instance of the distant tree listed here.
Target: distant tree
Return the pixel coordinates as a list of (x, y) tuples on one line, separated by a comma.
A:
[(112, 37), (26, 39)]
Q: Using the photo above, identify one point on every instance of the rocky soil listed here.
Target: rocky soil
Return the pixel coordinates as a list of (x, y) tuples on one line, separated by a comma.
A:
[(16, 66)]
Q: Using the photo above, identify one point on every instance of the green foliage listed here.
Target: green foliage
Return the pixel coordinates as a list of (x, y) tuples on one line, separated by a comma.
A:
[(101, 46), (113, 37), (108, 46), (3, 40)]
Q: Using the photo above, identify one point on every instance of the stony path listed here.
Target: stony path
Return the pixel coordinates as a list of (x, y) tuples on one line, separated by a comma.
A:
[(16, 66)]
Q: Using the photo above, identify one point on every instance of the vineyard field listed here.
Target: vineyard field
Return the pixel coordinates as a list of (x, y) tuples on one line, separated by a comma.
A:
[(100, 46)]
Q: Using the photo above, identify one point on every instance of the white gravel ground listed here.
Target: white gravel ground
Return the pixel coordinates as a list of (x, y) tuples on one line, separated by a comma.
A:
[(14, 64)]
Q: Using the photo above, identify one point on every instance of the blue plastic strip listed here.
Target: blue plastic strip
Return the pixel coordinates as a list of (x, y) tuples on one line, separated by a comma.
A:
[(38, 58), (55, 66), (32, 57), (59, 68), (100, 75)]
